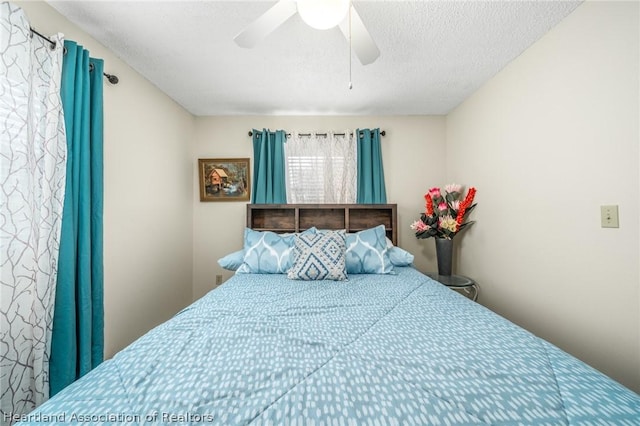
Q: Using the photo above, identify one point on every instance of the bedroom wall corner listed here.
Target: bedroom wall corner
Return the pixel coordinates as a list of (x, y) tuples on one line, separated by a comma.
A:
[(547, 141), (412, 153), (147, 193)]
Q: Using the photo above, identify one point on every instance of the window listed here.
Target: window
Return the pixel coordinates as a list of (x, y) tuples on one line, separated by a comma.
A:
[(321, 168)]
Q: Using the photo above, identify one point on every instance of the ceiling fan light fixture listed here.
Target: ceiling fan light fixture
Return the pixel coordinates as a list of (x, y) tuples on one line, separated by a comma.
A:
[(323, 14)]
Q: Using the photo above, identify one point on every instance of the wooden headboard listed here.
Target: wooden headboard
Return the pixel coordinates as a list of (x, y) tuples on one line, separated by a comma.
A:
[(298, 217)]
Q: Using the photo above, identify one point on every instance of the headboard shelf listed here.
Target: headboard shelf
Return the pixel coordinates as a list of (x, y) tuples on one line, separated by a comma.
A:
[(298, 217), (275, 230)]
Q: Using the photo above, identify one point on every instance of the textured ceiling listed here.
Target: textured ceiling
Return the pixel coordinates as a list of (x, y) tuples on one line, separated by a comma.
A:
[(434, 54)]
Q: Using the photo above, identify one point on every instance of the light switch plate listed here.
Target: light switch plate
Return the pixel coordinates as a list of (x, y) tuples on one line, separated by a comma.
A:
[(609, 216)]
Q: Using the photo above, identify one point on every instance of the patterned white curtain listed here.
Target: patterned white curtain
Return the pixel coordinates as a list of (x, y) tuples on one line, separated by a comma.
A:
[(32, 179), (321, 168)]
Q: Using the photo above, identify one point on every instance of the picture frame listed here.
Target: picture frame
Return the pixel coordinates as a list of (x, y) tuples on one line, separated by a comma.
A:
[(224, 179)]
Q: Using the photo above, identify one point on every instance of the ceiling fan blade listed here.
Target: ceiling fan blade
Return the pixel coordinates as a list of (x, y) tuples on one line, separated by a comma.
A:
[(265, 24), (361, 40)]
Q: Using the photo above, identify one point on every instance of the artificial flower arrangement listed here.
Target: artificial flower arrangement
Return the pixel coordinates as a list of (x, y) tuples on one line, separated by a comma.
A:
[(446, 212)]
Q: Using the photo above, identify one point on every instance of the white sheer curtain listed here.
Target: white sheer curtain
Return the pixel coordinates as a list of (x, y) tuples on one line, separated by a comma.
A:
[(321, 168), (32, 179)]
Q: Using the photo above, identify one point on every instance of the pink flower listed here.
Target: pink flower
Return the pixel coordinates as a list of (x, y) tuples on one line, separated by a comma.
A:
[(442, 206), (453, 187), (419, 226), (434, 192), (455, 204)]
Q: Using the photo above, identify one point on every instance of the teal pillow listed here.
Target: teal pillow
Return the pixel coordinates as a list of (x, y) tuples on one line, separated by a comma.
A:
[(319, 256), (266, 252), (232, 261), (398, 256), (367, 252)]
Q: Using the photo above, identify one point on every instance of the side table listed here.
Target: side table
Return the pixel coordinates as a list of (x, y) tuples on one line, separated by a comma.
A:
[(458, 282)]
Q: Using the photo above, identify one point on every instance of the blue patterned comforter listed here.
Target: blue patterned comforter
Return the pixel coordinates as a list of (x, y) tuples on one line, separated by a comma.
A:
[(377, 349)]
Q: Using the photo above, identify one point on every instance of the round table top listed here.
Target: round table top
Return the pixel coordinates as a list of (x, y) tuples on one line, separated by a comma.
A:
[(452, 280)]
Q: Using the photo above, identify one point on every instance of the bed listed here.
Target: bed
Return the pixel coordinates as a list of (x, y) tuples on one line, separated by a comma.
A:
[(378, 348)]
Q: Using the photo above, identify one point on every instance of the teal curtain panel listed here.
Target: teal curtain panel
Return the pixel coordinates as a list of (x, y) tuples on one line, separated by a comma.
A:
[(371, 188), (78, 324), (268, 167)]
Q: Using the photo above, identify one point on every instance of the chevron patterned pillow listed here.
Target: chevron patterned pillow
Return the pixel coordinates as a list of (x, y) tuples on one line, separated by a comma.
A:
[(319, 257)]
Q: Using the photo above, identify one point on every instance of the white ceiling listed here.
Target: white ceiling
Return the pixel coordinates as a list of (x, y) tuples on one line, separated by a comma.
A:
[(434, 54)]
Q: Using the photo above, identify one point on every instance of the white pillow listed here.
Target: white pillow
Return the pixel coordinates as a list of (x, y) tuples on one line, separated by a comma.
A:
[(320, 256)]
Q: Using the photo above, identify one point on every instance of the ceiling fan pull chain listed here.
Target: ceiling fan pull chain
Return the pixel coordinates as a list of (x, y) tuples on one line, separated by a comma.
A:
[(350, 49)]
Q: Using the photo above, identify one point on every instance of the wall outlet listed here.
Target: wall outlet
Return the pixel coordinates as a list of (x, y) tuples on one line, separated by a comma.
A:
[(218, 279), (609, 216)]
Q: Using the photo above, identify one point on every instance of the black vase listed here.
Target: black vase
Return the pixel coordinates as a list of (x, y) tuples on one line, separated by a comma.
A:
[(444, 254)]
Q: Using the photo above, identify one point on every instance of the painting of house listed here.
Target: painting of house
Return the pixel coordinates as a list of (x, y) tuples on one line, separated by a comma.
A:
[(224, 179)]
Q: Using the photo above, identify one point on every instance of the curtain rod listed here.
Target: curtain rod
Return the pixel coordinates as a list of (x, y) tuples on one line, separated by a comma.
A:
[(382, 133), (113, 79)]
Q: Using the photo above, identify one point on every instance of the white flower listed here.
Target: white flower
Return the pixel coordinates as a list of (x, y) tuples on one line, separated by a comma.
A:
[(452, 187), (449, 223)]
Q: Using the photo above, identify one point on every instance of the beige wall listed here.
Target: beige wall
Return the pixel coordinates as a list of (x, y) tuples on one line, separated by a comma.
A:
[(413, 149), (147, 194), (547, 141)]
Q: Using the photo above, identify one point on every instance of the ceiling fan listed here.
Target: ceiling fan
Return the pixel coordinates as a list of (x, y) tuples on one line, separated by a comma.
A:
[(320, 14)]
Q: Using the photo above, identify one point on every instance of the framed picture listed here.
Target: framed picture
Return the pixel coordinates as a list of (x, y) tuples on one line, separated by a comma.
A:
[(224, 179)]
